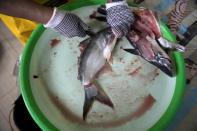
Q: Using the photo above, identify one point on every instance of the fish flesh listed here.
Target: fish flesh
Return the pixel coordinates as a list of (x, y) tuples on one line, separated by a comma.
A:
[(146, 37), (149, 50), (93, 58), (147, 22)]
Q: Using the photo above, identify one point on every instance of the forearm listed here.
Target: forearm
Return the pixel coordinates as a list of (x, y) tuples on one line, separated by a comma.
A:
[(26, 9)]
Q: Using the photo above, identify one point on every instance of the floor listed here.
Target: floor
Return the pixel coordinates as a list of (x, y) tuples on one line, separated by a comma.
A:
[(11, 48)]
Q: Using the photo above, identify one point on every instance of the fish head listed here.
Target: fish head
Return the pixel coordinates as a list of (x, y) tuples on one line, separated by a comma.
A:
[(164, 64), (108, 35), (103, 38), (110, 41)]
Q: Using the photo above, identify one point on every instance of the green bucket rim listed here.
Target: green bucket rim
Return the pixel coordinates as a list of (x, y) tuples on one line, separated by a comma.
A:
[(39, 117)]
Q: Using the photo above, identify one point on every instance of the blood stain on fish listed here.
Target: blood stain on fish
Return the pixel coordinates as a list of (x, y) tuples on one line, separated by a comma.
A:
[(135, 71), (82, 47), (54, 42), (121, 47), (120, 59)]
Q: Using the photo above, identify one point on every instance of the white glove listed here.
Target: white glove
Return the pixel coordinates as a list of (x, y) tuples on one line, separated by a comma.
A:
[(67, 24)]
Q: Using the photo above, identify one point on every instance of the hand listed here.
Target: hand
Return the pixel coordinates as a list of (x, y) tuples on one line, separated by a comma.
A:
[(120, 17), (67, 24)]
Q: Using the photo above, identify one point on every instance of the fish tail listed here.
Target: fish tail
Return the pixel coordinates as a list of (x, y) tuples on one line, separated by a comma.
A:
[(91, 94)]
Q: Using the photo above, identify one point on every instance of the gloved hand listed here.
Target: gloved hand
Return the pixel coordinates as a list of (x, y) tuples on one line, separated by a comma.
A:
[(120, 17), (67, 24)]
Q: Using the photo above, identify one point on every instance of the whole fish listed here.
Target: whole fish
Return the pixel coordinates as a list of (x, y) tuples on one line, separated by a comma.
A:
[(148, 49), (93, 58)]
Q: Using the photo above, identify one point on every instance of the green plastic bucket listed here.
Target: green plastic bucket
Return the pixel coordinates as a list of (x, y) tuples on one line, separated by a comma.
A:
[(54, 96)]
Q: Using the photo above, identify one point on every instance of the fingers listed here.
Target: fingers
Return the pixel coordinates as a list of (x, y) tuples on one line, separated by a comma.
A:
[(67, 24), (82, 29), (121, 30), (120, 18), (84, 26)]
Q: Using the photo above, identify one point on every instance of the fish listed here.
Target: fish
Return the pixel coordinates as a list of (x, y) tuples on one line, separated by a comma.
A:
[(93, 58), (171, 45), (149, 50), (146, 37), (144, 21), (148, 24)]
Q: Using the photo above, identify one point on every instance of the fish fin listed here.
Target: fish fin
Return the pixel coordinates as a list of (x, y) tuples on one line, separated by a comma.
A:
[(109, 48), (90, 32), (132, 51), (167, 69), (171, 45), (84, 42), (91, 94)]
